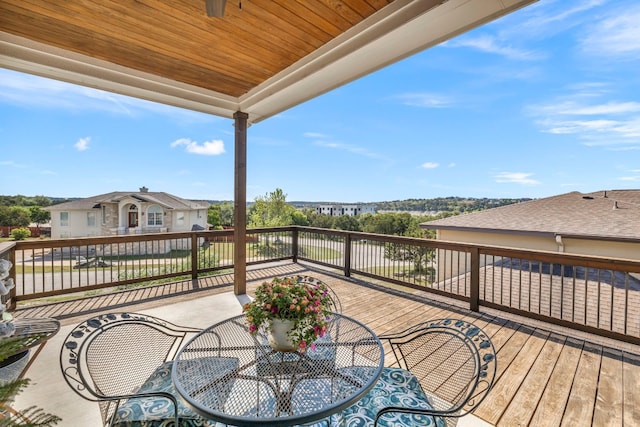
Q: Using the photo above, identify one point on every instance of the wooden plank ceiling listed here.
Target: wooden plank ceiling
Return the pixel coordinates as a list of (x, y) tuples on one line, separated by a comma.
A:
[(226, 60), (230, 55)]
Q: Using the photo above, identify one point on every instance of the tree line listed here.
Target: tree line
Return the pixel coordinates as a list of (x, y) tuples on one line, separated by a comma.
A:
[(446, 204), (20, 211), (272, 210), (21, 216)]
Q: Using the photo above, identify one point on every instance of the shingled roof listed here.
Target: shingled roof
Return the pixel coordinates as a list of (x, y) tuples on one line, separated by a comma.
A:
[(163, 199), (610, 214)]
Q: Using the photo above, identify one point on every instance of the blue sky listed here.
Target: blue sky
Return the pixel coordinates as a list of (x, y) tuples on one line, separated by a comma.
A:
[(541, 102)]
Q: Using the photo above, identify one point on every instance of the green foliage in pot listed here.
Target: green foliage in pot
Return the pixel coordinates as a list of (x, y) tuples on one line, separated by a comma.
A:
[(309, 307), (30, 417)]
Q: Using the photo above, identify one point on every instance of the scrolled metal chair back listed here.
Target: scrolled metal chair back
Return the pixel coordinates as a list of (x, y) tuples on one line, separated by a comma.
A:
[(107, 357), (453, 359)]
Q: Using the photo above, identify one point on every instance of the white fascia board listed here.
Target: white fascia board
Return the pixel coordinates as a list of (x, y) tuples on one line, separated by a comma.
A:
[(400, 30), (27, 56)]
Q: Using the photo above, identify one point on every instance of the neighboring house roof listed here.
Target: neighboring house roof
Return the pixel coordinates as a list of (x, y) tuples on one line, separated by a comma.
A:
[(611, 214), (165, 200)]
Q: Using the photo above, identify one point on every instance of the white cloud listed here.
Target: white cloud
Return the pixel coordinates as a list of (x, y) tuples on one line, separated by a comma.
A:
[(545, 19), (428, 100), (516, 178), (323, 140), (552, 16), (630, 178), (492, 44), (11, 163), (591, 118), (42, 93), (314, 135), (618, 35), (207, 148), (577, 109), (582, 126), (429, 165), (82, 144), (348, 148)]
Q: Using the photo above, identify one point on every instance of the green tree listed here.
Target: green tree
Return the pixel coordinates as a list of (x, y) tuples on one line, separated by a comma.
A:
[(4, 215), (403, 224), (272, 210), (213, 217), (39, 215), (41, 201), (388, 223), (347, 222), (14, 216), (299, 218), (226, 214), (320, 220)]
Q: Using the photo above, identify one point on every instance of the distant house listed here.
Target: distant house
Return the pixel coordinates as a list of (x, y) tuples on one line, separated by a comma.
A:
[(603, 223), (125, 212), (350, 210)]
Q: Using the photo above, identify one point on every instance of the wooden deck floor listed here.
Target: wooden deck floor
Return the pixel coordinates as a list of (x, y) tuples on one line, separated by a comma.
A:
[(545, 377)]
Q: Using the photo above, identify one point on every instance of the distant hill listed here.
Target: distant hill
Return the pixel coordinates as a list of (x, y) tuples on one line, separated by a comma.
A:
[(446, 204), (427, 206)]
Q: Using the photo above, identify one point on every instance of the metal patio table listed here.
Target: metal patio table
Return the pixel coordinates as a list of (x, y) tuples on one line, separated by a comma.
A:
[(229, 375), (32, 332)]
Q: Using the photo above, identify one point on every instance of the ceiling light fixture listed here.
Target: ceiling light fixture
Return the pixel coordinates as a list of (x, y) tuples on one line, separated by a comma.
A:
[(215, 8)]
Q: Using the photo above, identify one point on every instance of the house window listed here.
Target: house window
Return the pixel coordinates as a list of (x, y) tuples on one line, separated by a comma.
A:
[(154, 215), (104, 214), (91, 219), (180, 218), (64, 219)]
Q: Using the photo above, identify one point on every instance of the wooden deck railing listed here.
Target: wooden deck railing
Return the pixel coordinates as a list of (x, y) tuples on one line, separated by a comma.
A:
[(588, 293)]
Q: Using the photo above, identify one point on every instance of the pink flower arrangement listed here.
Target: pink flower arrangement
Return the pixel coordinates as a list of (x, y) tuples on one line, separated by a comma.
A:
[(307, 305)]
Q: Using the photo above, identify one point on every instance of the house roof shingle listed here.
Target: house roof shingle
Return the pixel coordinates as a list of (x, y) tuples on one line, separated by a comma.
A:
[(610, 214), (166, 200)]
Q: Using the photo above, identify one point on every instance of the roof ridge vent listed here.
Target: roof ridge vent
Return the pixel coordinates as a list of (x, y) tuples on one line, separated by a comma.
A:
[(615, 204)]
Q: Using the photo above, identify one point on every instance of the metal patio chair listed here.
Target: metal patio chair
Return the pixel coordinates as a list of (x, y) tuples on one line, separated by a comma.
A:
[(443, 369), (123, 362)]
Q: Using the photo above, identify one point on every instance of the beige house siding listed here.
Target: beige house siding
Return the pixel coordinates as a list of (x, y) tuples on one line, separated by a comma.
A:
[(522, 241), (581, 246), (452, 264), (77, 225), (603, 223), (608, 249)]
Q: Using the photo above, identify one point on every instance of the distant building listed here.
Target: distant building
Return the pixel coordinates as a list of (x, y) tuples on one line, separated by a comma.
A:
[(126, 212), (602, 223), (350, 210)]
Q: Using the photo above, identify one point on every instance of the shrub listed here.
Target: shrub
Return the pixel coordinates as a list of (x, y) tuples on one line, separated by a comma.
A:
[(20, 233)]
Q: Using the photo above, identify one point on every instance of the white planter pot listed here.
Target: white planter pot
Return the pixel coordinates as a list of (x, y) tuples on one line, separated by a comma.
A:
[(278, 336), (12, 367)]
